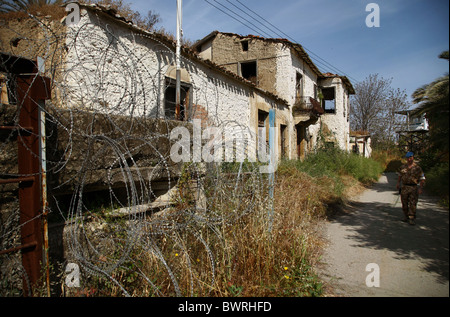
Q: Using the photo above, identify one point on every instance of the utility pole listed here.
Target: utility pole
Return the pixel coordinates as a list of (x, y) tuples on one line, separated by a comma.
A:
[(178, 59)]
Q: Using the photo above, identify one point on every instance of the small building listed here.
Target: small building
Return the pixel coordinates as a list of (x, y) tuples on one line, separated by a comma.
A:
[(413, 134), (360, 143), (413, 121)]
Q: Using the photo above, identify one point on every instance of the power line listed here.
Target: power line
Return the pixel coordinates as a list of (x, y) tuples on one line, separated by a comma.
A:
[(293, 40), (262, 19), (288, 37), (325, 63), (279, 33), (230, 15), (262, 32), (251, 16)]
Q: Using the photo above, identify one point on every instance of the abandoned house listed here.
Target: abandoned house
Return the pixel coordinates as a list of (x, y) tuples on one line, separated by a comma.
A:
[(112, 96), (360, 143), (113, 106), (318, 102), (225, 78), (111, 65), (105, 65)]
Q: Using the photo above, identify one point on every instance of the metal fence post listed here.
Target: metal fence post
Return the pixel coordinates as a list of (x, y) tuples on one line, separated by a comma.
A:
[(30, 89), (272, 151)]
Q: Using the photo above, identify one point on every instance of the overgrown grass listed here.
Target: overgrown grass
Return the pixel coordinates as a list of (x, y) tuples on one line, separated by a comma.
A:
[(255, 254), (335, 164)]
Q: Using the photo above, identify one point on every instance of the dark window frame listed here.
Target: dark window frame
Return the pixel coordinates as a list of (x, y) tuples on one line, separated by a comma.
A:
[(170, 100), (249, 70), (245, 45), (329, 97)]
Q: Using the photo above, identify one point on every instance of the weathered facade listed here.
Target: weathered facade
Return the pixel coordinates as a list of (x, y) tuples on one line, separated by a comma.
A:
[(209, 92), (360, 143), (285, 69), (108, 65), (336, 92)]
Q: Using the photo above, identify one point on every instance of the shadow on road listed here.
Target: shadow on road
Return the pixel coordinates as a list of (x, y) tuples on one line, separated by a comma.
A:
[(375, 218)]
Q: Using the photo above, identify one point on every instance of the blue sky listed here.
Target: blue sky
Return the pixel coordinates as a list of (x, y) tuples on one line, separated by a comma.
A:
[(405, 47)]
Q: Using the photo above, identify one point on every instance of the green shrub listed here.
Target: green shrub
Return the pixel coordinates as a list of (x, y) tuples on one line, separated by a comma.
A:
[(437, 182), (333, 163)]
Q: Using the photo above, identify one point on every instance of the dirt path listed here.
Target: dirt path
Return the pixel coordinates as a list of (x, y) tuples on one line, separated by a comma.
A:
[(412, 260)]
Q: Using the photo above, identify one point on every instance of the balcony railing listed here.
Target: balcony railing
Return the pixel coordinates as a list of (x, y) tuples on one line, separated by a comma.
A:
[(305, 105)]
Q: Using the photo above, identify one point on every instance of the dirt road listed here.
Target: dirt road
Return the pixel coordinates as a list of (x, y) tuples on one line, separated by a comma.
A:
[(412, 260)]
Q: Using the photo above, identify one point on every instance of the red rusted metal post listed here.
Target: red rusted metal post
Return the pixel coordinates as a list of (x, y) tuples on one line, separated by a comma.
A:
[(30, 89)]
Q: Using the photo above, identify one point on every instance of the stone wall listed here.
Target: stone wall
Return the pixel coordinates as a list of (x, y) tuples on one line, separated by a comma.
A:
[(228, 52)]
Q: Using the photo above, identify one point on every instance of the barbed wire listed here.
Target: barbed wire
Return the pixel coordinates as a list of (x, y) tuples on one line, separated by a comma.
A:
[(129, 211)]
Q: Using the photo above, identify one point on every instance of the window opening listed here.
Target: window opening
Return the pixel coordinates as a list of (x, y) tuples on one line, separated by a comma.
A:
[(244, 46), (263, 137), (299, 86), (249, 71), (329, 100), (283, 132), (170, 107)]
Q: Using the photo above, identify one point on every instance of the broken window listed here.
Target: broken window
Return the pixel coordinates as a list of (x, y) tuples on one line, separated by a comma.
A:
[(249, 71), (263, 134), (299, 87), (170, 107), (329, 100), (302, 141), (283, 134), (244, 45)]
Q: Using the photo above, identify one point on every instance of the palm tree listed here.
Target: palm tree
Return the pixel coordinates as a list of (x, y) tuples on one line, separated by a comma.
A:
[(433, 100)]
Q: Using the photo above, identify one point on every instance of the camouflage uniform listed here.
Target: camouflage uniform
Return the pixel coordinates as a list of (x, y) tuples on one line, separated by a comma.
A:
[(410, 178)]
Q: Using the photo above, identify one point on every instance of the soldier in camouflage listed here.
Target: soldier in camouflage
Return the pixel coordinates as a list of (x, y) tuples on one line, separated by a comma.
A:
[(411, 181)]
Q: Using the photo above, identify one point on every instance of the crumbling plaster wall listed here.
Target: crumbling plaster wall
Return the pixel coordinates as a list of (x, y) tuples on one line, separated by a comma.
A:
[(133, 72), (31, 37), (288, 65), (282, 118), (273, 63), (225, 99), (338, 122)]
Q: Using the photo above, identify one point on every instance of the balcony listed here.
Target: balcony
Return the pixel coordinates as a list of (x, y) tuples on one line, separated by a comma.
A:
[(414, 123), (306, 110)]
